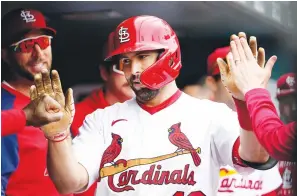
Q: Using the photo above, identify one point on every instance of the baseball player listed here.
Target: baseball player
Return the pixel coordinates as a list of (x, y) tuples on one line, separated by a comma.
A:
[(231, 183), (14, 120), (152, 144), (26, 50), (287, 107), (115, 89)]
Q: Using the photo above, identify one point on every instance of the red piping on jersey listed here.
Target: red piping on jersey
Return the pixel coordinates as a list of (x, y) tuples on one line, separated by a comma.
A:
[(166, 103)]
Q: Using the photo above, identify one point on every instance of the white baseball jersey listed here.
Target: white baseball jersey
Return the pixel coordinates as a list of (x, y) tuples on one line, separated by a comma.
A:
[(153, 151), (255, 184)]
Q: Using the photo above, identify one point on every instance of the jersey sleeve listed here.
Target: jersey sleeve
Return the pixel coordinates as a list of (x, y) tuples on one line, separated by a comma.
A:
[(225, 139), (278, 139), (12, 120), (88, 146)]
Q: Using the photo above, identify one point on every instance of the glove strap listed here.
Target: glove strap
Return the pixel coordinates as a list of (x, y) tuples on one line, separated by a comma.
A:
[(59, 137)]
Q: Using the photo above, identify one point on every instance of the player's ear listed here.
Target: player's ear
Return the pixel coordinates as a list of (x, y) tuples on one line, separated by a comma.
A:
[(211, 84), (103, 73)]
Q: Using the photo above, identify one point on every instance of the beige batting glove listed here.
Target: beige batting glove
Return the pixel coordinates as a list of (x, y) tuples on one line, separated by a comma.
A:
[(55, 131)]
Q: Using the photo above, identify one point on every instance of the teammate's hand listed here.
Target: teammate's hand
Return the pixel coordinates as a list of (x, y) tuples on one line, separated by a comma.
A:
[(246, 72), (227, 77), (45, 86), (42, 110)]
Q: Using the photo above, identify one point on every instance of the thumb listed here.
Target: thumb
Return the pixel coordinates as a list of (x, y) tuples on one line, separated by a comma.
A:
[(224, 68), (270, 63), (54, 117), (69, 104), (52, 106)]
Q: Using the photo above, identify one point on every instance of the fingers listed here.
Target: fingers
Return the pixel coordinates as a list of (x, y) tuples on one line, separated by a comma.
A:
[(69, 103), (247, 50), (270, 63), (235, 53), (231, 62), (39, 84), (56, 82), (33, 93), (253, 46), (242, 35), (261, 57), (224, 68), (240, 50), (47, 82)]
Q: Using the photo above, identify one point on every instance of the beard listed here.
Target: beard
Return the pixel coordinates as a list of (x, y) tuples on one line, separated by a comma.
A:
[(145, 94), (22, 72), (17, 70)]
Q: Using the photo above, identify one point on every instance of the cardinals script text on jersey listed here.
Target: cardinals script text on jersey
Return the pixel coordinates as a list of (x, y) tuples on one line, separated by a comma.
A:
[(175, 149)]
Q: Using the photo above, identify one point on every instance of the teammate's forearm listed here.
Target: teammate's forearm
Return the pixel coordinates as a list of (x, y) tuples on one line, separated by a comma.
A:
[(278, 139), (12, 121), (67, 174), (250, 148)]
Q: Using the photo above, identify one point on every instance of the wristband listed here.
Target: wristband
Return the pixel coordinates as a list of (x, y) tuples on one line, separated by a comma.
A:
[(59, 137)]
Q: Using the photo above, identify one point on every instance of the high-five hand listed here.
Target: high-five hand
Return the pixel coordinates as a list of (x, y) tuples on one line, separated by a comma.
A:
[(44, 85), (225, 68)]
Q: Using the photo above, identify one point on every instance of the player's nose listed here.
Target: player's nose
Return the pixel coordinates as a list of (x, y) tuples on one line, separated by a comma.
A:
[(136, 67)]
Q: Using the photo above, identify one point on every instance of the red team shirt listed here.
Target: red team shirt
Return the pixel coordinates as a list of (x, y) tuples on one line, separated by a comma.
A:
[(91, 103), (23, 161), (277, 138)]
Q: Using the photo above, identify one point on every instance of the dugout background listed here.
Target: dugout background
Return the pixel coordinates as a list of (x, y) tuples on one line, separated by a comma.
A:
[(82, 27)]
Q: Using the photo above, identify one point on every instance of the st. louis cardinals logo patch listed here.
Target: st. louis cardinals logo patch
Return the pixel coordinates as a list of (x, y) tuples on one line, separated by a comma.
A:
[(154, 175), (27, 16), (124, 35)]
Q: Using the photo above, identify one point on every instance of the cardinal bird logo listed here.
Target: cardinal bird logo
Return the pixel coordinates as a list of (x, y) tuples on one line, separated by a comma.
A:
[(113, 151), (179, 139)]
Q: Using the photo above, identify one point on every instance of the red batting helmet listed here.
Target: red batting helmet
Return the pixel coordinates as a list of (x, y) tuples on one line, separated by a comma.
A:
[(142, 33), (286, 85)]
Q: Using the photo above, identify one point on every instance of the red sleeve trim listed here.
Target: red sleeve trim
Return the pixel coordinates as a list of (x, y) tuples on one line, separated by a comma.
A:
[(235, 154)]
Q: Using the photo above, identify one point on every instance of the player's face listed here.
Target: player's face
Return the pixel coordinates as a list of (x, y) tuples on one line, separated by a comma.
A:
[(27, 64), (287, 108), (133, 64)]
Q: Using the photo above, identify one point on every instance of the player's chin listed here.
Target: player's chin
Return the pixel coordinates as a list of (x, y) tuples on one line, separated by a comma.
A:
[(145, 94)]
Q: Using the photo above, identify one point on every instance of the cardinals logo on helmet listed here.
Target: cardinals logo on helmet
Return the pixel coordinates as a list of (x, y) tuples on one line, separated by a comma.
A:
[(124, 35)]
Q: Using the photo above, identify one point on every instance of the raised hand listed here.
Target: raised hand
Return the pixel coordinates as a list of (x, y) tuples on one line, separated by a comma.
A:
[(225, 71), (42, 110), (245, 71), (45, 86)]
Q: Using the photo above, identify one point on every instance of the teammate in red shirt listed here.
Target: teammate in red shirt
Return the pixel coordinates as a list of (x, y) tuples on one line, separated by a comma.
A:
[(287, 107), (26, 50)]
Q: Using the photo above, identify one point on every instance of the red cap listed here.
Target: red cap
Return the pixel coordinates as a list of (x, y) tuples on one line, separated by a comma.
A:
[(285, 85), (16, 23), (212, 66)]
